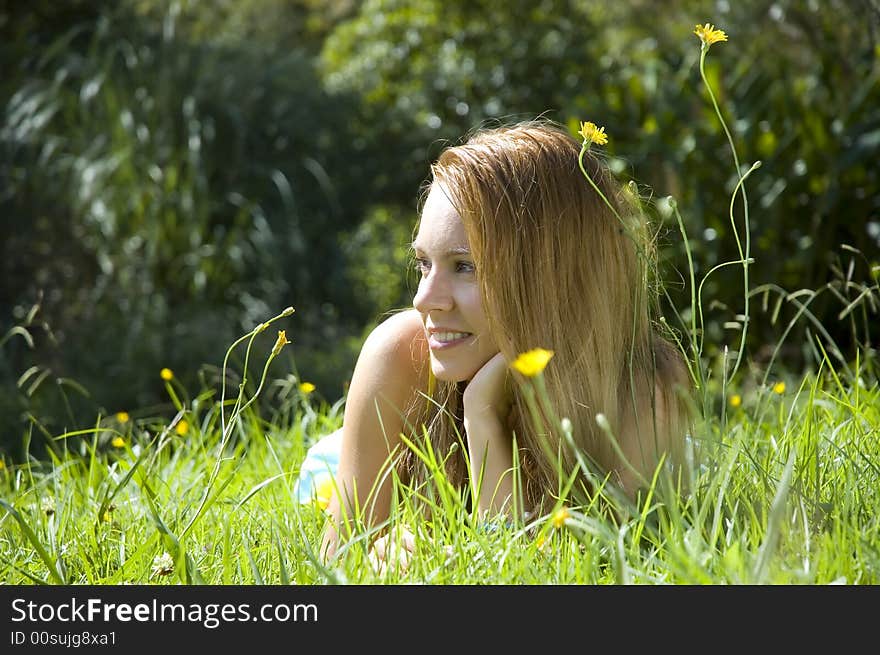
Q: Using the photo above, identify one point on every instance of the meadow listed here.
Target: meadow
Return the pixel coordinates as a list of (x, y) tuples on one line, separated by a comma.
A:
[(785, 490), (782, 478)]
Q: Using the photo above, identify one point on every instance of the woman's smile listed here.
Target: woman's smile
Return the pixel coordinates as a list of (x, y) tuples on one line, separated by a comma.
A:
[(438, 340)]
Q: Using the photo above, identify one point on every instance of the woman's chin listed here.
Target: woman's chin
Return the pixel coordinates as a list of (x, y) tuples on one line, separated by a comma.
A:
[(450, 374)]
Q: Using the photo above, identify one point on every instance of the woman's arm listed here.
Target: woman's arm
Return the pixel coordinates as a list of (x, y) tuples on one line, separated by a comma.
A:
[(487, 400), (390, 370)]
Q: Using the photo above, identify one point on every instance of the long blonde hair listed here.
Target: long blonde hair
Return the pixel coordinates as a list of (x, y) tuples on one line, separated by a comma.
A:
[(560, 270)]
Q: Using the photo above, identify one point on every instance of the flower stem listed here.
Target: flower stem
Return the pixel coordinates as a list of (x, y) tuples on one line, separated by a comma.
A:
[(745, 258)]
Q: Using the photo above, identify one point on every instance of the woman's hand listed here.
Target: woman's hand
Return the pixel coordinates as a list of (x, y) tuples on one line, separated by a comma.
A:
[(393, 550), (489, 394)]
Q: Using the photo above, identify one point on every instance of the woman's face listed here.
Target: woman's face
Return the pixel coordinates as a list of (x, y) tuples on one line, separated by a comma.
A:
[(448, 297)]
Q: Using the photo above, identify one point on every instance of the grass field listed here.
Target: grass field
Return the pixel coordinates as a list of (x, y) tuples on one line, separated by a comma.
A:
[(785, 491), (783, 488)]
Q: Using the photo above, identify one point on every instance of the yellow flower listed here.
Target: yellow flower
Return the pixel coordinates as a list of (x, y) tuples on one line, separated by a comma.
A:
[(122, 417), (118, 442), (541, 542), (2, 465), (167, 374), (182, 427), (280, 342), (736, 400), (779, 387), (324, 492), (532, 362), (709, 35), (559, 517), (306, 388), (593, 134)]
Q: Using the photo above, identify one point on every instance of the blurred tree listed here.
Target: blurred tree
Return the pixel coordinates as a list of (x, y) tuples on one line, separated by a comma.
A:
[(165, 194)]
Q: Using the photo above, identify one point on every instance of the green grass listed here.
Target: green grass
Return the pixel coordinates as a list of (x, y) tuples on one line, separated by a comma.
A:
[(783, 485), (784, 493)]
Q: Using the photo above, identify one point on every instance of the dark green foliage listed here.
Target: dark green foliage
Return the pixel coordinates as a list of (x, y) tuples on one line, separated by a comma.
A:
[(166, 194)]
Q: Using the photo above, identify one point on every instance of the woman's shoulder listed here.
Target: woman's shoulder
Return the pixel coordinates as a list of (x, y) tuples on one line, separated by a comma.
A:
[(404, 321), (399, 342), (402, 328)]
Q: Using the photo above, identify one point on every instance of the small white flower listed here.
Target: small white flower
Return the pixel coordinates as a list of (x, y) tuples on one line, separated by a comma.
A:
[(163, 565)]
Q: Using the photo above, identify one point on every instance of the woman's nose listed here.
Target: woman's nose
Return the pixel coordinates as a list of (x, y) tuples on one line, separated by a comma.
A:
[(433, 293)]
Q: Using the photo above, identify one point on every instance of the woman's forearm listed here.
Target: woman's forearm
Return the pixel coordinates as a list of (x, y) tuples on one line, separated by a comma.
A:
[(491, 463)]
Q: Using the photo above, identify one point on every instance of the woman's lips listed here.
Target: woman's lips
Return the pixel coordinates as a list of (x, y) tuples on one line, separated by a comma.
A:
[(435, 343)]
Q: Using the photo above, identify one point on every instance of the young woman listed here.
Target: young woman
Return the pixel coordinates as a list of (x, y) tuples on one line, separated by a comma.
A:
[(516, 250)]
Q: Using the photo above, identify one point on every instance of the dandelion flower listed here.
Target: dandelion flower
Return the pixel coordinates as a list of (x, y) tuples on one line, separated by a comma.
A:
[(182, 427), (280, 342), (324, 492), (47, 504), (532, 362), (541, 542), (709, 35), (166, 374), (593, 134), (122, 417), (736, 400), (306, 388), (779, 387), (118, 442), (2, 465), (163, 565), (559, 517)]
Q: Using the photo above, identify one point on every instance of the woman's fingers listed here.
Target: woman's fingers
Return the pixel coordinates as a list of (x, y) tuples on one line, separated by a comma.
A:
[(394, 549), (489, 391)]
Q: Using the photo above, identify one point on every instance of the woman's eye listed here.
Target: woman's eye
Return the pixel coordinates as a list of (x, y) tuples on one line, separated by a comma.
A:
[(423, 266)]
